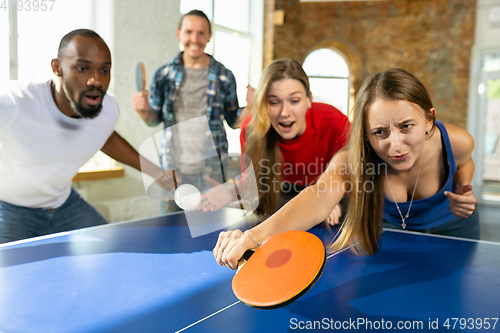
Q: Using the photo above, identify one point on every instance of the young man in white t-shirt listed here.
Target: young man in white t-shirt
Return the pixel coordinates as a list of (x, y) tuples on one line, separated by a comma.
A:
[(48, 131)]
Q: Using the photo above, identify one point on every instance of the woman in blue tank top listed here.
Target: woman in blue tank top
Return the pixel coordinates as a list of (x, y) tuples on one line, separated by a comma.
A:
[(401, 168)]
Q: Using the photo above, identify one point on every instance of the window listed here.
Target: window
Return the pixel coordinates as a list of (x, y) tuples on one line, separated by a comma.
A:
[(232, 14), (329, 77), (491, 62), (4, 45), (38, 35), (233, 38), (490, 94)]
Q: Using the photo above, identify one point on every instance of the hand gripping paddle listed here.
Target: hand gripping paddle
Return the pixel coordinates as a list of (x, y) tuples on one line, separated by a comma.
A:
[(283, 269), (140, 77)]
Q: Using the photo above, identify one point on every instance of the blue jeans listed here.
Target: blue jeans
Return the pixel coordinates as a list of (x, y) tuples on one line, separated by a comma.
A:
[(18, 222), (459, 227)]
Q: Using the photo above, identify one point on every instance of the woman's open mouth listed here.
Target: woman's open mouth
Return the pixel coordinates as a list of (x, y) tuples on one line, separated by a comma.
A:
[(286, 125)]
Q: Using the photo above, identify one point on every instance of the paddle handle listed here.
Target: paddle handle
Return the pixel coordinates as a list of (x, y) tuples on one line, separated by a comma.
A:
[(140, 77), (244, 258)]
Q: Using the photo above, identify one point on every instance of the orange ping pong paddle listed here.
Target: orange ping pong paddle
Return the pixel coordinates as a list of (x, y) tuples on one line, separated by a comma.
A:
[(140, 77), (281, 270)]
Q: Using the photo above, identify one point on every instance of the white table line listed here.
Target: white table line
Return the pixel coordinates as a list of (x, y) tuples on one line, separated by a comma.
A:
[(227, 307), (213, 314)]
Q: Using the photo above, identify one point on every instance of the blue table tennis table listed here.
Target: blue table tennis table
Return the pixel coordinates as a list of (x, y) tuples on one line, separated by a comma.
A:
[(150, 275)]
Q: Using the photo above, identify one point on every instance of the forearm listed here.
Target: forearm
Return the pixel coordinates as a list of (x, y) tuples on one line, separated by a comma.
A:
[(117, 148), (150, 117), (120, 150), (310, 207), (244, 113)]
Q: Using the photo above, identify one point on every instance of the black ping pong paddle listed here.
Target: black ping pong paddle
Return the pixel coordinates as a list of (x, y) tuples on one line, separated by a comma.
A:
[(140, 77), (282, 269)]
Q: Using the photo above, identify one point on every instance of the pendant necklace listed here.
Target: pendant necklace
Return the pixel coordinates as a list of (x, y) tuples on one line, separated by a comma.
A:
[(403, 219)]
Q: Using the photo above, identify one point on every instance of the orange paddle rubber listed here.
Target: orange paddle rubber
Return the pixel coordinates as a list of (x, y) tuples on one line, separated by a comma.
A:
[(283, 269)]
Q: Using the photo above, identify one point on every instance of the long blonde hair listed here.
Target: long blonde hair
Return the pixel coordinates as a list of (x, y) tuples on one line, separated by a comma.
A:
[(262, 140), (363, 223)]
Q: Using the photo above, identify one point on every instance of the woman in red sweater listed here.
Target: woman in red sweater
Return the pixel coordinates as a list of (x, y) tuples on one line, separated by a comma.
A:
[(289, 139)]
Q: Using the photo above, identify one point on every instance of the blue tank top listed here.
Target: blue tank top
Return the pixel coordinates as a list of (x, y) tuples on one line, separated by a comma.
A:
[(429, 212)]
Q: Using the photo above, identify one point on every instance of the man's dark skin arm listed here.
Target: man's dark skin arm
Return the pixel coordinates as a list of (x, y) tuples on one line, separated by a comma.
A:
[(120, 150), (117, 148)]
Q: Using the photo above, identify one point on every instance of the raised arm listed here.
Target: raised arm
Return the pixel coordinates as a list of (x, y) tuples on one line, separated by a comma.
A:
[(140, 103), (312, 206), (247, 110), (149, 104)]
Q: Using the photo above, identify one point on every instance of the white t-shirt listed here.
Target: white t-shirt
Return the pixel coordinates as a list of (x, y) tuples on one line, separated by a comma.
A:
[(41, 149)]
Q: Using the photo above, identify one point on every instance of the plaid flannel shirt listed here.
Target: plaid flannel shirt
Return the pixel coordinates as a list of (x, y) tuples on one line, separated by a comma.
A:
[(222, 101)]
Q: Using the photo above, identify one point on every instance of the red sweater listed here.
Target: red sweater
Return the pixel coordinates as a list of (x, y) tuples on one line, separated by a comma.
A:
[(306, 157)]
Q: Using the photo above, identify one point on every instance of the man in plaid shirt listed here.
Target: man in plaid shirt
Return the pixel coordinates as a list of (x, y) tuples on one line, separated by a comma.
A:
[(193, 84)]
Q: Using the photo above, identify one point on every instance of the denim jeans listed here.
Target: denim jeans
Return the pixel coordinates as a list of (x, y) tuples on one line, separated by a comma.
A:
[(459, 227), (18, 222)]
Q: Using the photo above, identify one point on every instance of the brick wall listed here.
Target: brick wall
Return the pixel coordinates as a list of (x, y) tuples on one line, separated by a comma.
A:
[(430, 38)]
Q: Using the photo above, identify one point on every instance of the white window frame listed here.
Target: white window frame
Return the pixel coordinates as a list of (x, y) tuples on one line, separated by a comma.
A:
[(100, 161), (348, 77), (475, 124)]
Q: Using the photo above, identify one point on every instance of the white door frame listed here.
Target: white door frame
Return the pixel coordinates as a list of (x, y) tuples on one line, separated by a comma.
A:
[(476, 118)]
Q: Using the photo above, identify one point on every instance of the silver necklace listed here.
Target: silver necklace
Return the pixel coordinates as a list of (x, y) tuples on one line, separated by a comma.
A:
[(403, 219)]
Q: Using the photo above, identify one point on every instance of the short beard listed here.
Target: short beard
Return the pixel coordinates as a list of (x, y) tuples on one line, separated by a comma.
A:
[(87, 113)]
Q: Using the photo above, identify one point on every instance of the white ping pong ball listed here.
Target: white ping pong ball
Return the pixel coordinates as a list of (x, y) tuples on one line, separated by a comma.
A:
[(187, 197)]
